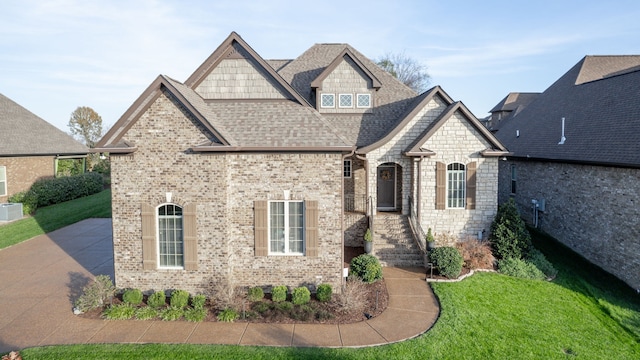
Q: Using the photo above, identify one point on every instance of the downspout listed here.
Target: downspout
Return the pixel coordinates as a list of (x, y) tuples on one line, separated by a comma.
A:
[(344, 157)]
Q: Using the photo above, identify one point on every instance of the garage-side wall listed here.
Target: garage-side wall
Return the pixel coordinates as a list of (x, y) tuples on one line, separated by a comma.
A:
[(23, 171)]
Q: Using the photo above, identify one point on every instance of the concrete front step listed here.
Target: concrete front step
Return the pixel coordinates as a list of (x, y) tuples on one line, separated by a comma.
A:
[(393, 241)]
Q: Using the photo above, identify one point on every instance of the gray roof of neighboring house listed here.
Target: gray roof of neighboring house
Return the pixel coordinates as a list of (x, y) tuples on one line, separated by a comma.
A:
[(514, 100), (24, 133), (598, 98)]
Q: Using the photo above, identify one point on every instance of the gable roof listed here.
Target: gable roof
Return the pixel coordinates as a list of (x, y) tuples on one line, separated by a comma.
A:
[(598, 98), (228, 49), (317, 82), (23, 133), (416, 148), (514, 100)]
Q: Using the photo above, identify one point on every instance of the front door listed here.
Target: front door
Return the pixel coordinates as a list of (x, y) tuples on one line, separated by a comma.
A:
[(386, 189)]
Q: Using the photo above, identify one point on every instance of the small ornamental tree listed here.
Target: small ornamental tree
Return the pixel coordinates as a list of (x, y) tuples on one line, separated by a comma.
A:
[(509, 235)]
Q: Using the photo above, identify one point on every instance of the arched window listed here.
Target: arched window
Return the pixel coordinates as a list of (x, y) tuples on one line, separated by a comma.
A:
[(456, 178), (170, 236)]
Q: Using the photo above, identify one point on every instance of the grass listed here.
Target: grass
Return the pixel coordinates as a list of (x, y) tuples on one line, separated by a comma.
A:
[(56, 216), (584, 314)]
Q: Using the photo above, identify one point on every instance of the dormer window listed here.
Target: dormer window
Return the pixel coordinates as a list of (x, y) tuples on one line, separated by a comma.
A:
[(328, 100), (364, 101), (346, 100)]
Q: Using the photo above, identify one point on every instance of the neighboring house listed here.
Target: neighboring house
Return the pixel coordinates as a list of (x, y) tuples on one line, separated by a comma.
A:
[(30, 148), (576, 153), (259, 172), (509, 107)]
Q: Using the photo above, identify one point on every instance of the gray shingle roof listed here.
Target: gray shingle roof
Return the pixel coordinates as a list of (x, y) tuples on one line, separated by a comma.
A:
[(598, 98), (514, 100), (24, 133)]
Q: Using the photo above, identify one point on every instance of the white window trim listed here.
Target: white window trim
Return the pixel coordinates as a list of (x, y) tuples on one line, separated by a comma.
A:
[(286, 227), (347, 164), (464, 187), (333, 96), (340, 102), (3, 178), (358, 101), (157, 216)]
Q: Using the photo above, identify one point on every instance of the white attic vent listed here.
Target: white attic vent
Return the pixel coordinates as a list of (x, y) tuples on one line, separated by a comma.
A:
[(562, 138)]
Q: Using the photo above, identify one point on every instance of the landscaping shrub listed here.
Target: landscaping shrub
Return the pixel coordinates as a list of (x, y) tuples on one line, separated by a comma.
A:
[(96, 294), (146, 313), (353, 297), (223, 293), (279, 293), (122, 311), (509, 235), (179, 299), (520, 268), (228, 315), (171, 313), (302, 313), (157, 300), (56, 190), (300, 296), (366, 267), (260, 307), (255, 294), (198, 301), (476, 254), (324, 292), (27, 199), (447, 260), (132, 296), (537, 258), (195, 314), (284, 306)]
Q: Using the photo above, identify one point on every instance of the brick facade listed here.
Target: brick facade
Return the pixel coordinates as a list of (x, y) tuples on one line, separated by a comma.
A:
[(591, 209), (22, 172), (223, 186)]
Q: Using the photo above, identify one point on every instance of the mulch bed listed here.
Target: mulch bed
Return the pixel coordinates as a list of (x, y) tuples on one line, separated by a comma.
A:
[(377, 300)]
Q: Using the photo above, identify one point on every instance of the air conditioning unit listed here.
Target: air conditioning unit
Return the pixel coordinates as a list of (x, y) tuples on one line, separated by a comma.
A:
[(10, 211)]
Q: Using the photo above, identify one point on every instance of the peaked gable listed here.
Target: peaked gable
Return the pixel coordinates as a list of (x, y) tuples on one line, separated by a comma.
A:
[(343, 56), (114, 141), (417, 148), (235, 71)]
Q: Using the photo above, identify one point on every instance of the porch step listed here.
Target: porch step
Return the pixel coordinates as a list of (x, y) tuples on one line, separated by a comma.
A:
[(393, 241)]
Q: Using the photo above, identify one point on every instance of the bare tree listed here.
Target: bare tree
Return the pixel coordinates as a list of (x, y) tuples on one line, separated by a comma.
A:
[(406, 69), (86, 125)]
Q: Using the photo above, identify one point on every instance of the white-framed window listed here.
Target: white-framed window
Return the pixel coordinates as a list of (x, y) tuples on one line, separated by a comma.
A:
[(327, 100), (286, 227), (345, 100), (456, 185), (514, 178), (363, 100), (3, 181), (346, 169), (170, 237)]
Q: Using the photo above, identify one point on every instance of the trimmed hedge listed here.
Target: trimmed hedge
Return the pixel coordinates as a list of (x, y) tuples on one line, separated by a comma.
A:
[(51, 191), (300, 296), (448, 260), (520, 268), (366, 267), (324, 292)]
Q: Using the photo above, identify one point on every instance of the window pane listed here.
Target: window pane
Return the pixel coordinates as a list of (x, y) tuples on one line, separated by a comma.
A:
[(364, 100), (170, 236), (276, 226), (327, 100), (456, 185), (346, 100)]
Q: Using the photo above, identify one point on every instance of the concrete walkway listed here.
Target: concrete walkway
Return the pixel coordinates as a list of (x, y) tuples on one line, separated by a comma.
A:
[(40, 278)]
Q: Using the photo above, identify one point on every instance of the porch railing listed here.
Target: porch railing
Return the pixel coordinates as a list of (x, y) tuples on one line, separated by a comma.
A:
[(418, 232), (355, 203)]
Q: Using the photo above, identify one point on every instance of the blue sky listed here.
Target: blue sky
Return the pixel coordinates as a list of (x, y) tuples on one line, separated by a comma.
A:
[(56, 55)]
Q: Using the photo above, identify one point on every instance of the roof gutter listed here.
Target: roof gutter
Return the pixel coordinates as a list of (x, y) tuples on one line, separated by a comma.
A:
[(222, 148)]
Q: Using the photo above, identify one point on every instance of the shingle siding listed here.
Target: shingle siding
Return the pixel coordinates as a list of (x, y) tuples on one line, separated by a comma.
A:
[(592, 209)]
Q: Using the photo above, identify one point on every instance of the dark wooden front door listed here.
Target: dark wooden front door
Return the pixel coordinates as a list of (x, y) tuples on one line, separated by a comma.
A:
[(386, 189)]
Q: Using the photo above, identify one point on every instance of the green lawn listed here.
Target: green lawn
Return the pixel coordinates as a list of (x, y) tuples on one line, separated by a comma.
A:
[(53, 217), (584, 314)]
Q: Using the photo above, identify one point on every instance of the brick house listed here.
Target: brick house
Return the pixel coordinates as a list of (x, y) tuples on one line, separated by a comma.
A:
[(30, 148), (576, 154), (260, 172)]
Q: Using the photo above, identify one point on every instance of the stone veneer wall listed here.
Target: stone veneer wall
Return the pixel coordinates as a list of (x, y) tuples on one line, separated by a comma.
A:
[(391, 152), (223, 187), (23, 171), (592, 209), (458, 141)]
